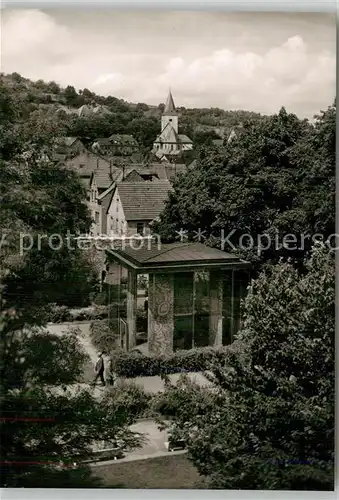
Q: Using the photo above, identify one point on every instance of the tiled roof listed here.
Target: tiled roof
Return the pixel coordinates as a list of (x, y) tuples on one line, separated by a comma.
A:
[(184, 138), (133, 176), (143, 200), (65, 141), (173, 158), (122, 161), (88, 163), (176, 253), (123, 139), (84, 110), (102, 179)]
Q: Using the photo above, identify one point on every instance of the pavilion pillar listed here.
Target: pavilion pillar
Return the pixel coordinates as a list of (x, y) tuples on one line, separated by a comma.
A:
[(160, 313), (216, 308), (131, 308)]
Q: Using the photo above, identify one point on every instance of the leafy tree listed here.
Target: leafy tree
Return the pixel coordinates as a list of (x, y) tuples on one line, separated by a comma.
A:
[(144, 130), (262, 184), (268, 421), (44, 421), (204, 138), (53, 87), (70, 95)]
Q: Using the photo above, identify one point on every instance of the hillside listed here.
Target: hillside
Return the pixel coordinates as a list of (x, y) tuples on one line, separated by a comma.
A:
[(84, 114)]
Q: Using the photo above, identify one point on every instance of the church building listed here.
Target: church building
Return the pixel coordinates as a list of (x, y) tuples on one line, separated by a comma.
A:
[(170, 142)]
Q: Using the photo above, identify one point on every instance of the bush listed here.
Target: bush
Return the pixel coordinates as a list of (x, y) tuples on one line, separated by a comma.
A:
[(195, 360), (59, 314), (131, 398), (103, 337)]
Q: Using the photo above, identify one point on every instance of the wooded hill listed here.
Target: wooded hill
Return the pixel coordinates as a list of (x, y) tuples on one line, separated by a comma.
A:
[(88, 115)]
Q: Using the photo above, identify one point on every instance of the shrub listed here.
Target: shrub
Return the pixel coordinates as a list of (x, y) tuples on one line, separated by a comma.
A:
[(131, 398), (59, 314), (195, 360), (103, 338)]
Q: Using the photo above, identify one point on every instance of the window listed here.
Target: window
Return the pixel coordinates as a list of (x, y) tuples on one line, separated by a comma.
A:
[(140, 228), (97, 217)]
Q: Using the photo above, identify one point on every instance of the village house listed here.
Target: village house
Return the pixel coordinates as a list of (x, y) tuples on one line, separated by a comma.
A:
[(134, 205), (88, 110), (87, 163), (169, 141), (69, 146), (116, 145)]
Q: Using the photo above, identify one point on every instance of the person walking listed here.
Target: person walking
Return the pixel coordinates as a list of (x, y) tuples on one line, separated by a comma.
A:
[(99, 370), (110, 372)]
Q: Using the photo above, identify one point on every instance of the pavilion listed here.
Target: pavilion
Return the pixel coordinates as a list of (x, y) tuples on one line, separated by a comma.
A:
[(194, 293)]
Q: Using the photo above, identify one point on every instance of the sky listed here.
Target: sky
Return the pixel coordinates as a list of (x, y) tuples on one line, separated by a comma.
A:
[(253, 61)]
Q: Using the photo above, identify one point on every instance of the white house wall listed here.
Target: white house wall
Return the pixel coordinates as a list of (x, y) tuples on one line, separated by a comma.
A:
[(95, 210), (116, 221)]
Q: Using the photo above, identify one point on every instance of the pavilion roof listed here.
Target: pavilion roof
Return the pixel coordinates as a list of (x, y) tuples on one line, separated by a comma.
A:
[(150, 255)]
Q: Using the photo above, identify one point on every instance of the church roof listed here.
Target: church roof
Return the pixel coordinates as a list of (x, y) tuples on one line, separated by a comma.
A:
[(169, 106), (184, 139), (168, 135)]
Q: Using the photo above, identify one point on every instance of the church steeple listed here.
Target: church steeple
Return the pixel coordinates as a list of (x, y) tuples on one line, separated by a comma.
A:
[(169, 106)]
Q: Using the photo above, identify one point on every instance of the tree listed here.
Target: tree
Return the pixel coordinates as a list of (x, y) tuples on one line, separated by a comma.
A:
[(270, 418), (259, 189), (70, 95), (44, 421), (204, 138), (145, 131)]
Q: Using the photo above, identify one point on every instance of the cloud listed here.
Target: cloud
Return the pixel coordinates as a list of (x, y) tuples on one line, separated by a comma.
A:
[(114, 79), (129, 61)]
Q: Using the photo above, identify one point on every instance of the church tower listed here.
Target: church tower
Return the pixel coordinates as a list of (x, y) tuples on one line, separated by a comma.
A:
[(170, 143), (169, 116)]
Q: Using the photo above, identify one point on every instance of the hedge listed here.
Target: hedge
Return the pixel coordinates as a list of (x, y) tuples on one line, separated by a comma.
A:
[(62, 314), (134, 364)]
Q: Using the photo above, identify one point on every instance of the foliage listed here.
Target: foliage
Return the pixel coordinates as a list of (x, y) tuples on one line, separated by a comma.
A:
[(269, 421), (131, 398), (43, 421), (275, 180), (71, 424), (62, 314), (140, 120), (104, 335), (133, 364)]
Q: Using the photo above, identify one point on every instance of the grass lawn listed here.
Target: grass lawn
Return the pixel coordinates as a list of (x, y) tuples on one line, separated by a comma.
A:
[(166, 472)]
